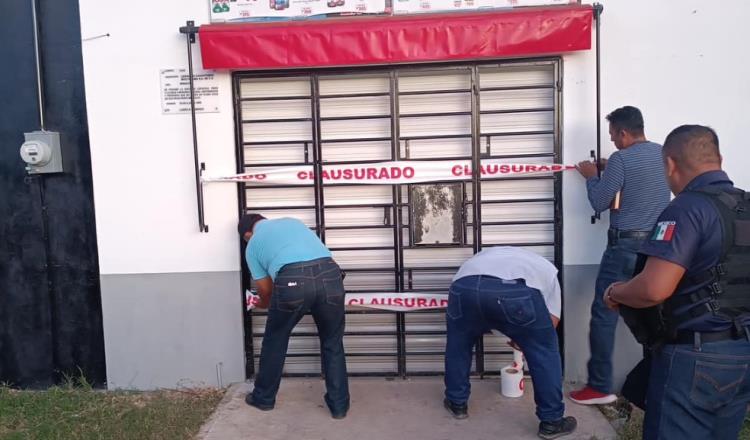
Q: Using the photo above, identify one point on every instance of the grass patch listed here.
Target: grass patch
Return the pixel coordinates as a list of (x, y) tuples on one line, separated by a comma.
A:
[(745, 431), (76, 411), (628, 420)]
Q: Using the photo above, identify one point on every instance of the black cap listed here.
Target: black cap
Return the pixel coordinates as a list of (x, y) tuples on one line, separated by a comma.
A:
[(247, 222)]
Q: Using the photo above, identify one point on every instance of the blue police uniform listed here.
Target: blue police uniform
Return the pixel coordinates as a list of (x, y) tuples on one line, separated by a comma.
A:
[(697, 390)]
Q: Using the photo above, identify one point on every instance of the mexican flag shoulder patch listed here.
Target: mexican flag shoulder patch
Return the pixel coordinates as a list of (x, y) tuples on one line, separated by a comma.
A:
[(664, 231)]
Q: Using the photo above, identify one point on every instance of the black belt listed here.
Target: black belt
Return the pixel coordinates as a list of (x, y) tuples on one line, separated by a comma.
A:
[(616, 234), (306, 263), (689, 337)]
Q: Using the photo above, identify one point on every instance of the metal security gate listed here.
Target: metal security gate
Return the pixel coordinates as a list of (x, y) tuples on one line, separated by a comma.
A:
[(507, 110)]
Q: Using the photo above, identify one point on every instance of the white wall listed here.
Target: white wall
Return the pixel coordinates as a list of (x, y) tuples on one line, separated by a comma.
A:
[(680, 62), (142, 161), (171, 296)]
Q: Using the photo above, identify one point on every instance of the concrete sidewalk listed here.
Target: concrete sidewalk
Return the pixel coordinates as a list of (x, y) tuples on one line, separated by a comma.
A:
[(391, 409)]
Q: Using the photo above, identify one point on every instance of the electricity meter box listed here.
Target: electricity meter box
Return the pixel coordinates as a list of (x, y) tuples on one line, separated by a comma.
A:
[(42, 152)]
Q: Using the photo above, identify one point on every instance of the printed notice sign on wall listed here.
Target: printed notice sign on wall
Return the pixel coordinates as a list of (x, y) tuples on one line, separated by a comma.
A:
[(175, 92)]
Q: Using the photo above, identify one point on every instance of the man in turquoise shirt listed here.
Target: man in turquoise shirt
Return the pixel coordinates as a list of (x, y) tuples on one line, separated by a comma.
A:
[(294, 274), (276, 243)]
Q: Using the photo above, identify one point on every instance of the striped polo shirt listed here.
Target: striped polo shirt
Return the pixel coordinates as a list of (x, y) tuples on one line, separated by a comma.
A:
[(638, 172)]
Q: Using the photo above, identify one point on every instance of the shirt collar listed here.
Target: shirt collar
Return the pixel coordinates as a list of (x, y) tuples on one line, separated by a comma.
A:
[(717, 177)]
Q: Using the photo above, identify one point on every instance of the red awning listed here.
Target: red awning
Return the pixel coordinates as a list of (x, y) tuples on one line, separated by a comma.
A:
[(396, 39)]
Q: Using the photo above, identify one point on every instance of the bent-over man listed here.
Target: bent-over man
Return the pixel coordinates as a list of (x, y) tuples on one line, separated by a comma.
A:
[(295, 274), (516, 292)]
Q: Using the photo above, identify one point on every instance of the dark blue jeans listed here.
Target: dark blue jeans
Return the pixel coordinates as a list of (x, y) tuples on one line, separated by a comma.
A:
[(477, 304), (618, 263), (698, 394), (316, 287)]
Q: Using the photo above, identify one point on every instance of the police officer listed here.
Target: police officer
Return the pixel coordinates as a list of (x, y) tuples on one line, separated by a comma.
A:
[(697, 274), (635, 191)]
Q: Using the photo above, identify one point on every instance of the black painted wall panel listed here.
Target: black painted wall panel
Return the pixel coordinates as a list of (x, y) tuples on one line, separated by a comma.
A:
[(50, 302)]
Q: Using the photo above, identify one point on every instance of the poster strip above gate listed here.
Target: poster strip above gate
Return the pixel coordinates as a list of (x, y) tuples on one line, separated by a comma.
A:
[(269, 10), (387, 173), (248, 10), (397, 302)]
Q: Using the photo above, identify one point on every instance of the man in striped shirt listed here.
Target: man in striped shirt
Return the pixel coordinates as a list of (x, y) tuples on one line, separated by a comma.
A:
[(633, 187)]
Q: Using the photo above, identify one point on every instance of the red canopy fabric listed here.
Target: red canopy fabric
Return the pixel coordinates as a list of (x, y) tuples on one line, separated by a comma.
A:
[(369, 40)]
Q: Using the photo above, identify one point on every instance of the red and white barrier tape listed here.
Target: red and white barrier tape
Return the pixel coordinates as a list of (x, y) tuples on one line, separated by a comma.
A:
[(386, 173), (397, 302)]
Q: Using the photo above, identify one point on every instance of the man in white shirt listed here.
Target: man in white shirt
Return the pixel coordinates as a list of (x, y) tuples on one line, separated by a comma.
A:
[(516, 292)]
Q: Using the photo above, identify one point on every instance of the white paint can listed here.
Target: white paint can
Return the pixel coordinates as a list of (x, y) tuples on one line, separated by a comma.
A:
[(511, 381)]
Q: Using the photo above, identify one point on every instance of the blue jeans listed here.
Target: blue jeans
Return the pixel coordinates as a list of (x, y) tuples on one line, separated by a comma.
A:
[(698, 394), (317, 287), (618, 263), (477, 304)]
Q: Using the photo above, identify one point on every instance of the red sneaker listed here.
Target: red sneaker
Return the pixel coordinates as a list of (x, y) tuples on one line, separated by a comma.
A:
[(589, 396)]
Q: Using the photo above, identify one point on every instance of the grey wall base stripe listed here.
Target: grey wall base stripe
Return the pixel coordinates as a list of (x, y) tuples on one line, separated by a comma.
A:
[(171, 330), (579, 293)]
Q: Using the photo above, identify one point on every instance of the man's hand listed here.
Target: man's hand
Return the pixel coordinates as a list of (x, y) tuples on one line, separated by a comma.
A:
[(608, 301), (265, 288), (251, 299), (586, 168), (555, 320)]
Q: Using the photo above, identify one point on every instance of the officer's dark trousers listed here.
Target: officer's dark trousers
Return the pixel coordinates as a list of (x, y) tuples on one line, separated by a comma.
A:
[(618, 264), (315, 286), (478, 304), (698, 393)]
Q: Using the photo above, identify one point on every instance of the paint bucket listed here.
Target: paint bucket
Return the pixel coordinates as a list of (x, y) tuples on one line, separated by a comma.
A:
[(511, 382)]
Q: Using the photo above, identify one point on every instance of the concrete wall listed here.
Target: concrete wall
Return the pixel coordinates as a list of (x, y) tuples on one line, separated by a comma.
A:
[(678, 60)]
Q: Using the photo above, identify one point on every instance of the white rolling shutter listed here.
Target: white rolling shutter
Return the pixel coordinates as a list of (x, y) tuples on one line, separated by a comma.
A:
[(352, 114)]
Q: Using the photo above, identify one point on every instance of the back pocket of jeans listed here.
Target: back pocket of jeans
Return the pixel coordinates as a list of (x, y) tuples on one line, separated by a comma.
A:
[(290, 293), (454, 310), (715, 385), (334, 290), (518, 311)]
